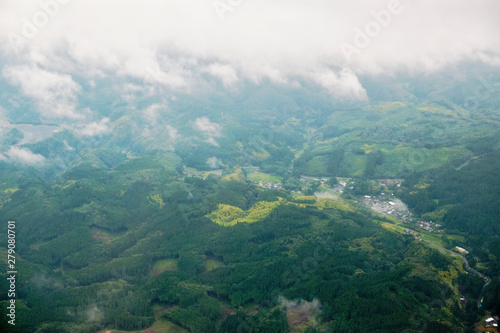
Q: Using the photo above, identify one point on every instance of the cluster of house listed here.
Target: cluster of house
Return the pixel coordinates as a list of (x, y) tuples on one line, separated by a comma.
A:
[(388, 207), (411, 232), (429, 226), (323, 181), (388, 182), (276, 186), (491, 322)]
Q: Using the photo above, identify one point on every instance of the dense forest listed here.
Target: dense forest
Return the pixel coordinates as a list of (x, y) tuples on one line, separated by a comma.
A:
[(231, 166), (243, 213), (466, 200), (124, 249)]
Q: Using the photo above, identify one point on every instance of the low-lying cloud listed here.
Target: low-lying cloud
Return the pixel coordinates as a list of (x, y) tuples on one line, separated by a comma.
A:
[(95, 128), (22, 155), (176, 45), (206, 126), (209, 129), (55, 94), (214, 162)]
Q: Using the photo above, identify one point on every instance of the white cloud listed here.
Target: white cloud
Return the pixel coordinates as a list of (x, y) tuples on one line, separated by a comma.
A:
[(172, 132), (94, 314), (23, 155), (151, 113), (95, 128), (68, 147), (211, 130), (55, 94), (344, 84), (206, 126), (4, 126), (224, 73), (155, 126), (214, 162), (171, 43), (173, 73), (212, 141)]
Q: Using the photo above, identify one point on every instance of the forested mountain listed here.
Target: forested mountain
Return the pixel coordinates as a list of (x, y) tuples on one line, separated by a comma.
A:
[(234, 166), (171, 230), (105, 251)]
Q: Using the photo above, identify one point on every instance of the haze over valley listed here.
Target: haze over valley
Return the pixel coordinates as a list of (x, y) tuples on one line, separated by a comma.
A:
[(249, 166)]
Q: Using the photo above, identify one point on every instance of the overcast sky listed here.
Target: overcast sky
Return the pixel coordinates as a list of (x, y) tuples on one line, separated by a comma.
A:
[(46, 44)]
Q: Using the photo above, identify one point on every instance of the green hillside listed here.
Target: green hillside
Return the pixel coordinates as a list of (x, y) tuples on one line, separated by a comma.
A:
[(259, 221)]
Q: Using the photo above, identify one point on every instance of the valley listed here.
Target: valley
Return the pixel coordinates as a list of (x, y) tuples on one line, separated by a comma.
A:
[(266, 209)]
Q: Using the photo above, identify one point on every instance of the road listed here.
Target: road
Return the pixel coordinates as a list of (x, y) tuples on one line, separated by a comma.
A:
[(487, 280), (467, 267)]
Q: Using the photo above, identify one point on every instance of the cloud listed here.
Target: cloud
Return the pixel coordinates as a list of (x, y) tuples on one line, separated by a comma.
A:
[(343, 85), (67, 146), (225, 73), (22, 155), (213, 142), (95, 128), (313, 306), (211, 130), (157, 69), (301, 308), (55, 94), (206, 126), (214, 162), (175, 44), (172, 133), (155, 126), (5, 126), (151, 113), (94, 314)]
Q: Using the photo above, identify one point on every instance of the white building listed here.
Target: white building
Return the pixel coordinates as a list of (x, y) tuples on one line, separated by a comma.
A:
[(461, 250)]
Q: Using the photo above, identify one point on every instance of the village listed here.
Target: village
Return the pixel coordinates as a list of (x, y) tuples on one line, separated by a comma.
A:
[(384, 202), (270, 185), (490, 325), (387, 204)]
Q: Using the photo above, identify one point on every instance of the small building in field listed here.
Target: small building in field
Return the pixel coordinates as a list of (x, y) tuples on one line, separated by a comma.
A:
[(461, 250), (491, 322)]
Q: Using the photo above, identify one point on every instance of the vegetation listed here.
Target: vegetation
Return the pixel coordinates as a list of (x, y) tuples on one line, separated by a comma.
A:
[(465, 201), (130, 232), (303, 249)]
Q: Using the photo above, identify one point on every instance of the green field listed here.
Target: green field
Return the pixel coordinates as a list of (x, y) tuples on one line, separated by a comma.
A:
[(227, 215), (456, 237), (211, 264), (203, 174), (432, 238), (256, 177), (164, 265), (436, 247), (159, 326)]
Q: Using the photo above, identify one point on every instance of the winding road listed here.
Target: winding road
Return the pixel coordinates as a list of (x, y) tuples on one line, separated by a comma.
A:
[(487, 280), (466, 264)]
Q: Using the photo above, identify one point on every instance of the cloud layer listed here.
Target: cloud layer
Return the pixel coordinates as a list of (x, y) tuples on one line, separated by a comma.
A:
[(55, 94), (180, 45), (209, 129), (22, 155)]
